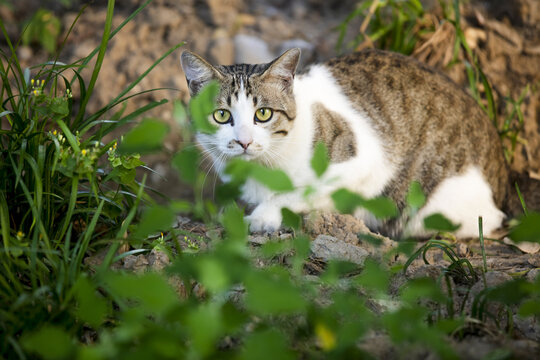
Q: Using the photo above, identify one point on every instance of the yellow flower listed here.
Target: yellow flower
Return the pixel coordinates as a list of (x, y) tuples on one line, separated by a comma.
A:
[(20, 234), (55, 132), (325, 337), (83, 152)]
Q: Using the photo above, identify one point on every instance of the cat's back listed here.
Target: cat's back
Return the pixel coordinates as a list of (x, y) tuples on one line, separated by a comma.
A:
[(431, 127), (391, 87)]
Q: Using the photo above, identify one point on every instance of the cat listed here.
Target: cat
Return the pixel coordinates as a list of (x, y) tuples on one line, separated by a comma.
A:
[(386, 119)]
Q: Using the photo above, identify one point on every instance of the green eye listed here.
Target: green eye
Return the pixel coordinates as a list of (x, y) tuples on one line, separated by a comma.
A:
[(222, 116), (263, 114)]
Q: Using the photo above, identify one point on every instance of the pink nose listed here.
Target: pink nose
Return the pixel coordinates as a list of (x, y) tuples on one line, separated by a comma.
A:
[(244, 145)]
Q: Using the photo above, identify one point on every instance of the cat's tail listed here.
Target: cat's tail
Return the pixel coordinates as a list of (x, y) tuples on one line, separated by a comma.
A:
[(530, 193)]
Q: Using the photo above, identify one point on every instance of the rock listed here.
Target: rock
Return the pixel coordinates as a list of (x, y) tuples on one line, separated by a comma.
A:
[(251, 50), (136, 263), (221, 48), (261, 239), (528, 326), (224, 12), (533, 274), (344, 227), (329, 247), (308, 50), (158, 259), (24, 53)]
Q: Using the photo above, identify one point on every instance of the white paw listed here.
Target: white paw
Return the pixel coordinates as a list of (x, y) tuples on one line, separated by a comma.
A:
[(265, 218)]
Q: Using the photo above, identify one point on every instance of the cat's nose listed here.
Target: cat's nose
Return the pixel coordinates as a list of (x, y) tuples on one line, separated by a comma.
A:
[(243, 144)]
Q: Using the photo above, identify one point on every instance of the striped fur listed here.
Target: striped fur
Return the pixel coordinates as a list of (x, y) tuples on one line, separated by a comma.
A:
[(386, 120)]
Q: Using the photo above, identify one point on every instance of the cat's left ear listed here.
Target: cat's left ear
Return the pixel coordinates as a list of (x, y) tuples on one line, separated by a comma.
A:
[(284, 67), (198, 71)]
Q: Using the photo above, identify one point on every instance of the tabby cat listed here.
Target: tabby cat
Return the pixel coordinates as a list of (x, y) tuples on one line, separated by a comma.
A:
[(386, 119)]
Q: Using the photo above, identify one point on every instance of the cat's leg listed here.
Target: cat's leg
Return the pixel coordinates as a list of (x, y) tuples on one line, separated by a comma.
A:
[(266, 217), (462, 199)]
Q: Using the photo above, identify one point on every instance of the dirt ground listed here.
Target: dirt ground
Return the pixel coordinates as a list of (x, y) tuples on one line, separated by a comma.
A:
[(505, 35)]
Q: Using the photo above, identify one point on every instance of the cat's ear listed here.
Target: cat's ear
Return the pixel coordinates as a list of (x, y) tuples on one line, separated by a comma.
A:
[(284, 67), (198, 71)]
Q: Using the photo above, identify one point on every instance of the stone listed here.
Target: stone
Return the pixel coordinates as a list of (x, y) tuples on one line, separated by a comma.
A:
[(331, 248), (221, 48), (308, 50), (251, 50)]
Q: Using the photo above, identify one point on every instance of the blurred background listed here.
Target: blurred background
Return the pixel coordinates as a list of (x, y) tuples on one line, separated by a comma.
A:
[(503, 39)]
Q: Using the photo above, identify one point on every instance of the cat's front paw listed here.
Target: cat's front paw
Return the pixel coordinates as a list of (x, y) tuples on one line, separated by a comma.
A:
[(265, 218)]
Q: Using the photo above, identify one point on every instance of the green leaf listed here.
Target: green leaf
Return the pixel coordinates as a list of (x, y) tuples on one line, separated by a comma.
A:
[(346, 201), (213, 275), (269, 293), (530, 307), (439, 222), (151, 291), (186, 162), (155, 219), (205, 326), (227, 193), (179, 113), (201, 106), (374, 277), (381, 207), (415, 197), (59, 105), (422, 288), (91, 307), (320, 161), (264, 345), (291, 219), (273, 179), (50, 342), (528, 229), (234, 224), (147, 137)]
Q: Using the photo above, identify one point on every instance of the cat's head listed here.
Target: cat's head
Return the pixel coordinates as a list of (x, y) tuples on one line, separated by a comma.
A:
[(255, 108)]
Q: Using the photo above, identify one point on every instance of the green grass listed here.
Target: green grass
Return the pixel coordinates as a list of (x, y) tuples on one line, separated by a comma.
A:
[(62, 190)]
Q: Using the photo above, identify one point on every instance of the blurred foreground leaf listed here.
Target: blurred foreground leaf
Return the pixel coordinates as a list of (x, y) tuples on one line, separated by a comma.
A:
[(528, 229), (145, 138), (203, 105), (150, 292), (320, 161), (50, 342), (439, 222), (155, 219), (186, 162), (266, 345), (347, 201), (269, 293)]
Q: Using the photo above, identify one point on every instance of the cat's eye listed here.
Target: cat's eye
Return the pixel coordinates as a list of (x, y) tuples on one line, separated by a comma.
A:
[(222, 116), (263, 114)]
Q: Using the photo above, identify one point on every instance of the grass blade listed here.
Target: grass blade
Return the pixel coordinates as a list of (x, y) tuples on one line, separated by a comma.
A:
[(99, 62)]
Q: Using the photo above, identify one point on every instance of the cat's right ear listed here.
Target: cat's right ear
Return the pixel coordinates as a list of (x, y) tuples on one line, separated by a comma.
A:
[(198, 72)]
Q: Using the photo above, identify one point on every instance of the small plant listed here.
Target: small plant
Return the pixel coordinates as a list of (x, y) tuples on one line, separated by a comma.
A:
[(44, 29), (61, 187), (395, 25)]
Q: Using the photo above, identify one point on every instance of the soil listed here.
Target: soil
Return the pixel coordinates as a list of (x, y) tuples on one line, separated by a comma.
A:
[(505, 35)]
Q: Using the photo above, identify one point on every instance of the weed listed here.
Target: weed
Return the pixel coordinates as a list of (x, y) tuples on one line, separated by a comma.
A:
[(61, 187)]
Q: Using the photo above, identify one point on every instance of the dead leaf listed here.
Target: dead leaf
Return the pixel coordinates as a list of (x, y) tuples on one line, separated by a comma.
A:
[(526, 247)]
